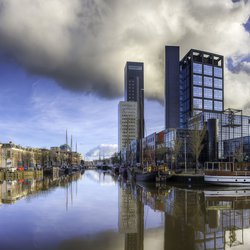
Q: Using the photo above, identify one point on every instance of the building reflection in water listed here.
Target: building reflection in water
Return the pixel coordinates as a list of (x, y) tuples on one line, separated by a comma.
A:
[(131, 216), (13, 190), (194, 219)]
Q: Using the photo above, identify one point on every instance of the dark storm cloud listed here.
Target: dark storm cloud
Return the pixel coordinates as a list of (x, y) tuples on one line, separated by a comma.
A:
[(83, 44)]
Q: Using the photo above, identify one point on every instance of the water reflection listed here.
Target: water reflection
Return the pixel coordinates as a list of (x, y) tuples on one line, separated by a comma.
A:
[(13, 190), (94, 211), (131, 216), (201, 219)]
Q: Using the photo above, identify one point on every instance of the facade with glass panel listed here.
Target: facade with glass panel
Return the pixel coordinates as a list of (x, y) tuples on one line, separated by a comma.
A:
[(201, 84), (231, 132), (200, 95), (134, 90)]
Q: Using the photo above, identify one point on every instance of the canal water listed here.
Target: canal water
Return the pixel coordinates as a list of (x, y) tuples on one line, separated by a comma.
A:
[(94, 211)]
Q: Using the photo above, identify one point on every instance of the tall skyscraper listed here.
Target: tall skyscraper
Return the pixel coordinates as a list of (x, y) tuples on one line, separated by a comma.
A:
[(193, 85), (127, 123), (172, 87), (201, 84), (134, 90)]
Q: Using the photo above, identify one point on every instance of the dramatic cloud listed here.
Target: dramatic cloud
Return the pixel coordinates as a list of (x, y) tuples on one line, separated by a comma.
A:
[(84, 44)]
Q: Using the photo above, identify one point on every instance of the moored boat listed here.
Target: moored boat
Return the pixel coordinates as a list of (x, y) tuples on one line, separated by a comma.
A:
[(142, 175), (227, 174)]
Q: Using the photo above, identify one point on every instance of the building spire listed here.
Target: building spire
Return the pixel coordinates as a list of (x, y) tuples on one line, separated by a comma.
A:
[(66, 140), (76, 146), (71, 143)]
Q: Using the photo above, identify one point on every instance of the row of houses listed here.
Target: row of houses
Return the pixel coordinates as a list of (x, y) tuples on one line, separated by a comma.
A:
[(16, 156), (208, 138)]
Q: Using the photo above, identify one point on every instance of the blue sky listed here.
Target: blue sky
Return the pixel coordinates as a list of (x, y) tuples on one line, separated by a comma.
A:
[(61, 62), (36, 112)]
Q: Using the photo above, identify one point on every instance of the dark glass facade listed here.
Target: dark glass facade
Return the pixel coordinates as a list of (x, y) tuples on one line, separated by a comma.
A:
[(201, 84), (172, 87), (134, 90)]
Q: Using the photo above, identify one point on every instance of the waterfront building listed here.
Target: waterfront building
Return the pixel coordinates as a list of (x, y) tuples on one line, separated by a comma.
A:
[(193, 85), (238, 148), (160, 147), (172, 87), (148, 149), (194, 93), (16, 156), (127, 123), (228, 133), (134, 90), (201, 84)]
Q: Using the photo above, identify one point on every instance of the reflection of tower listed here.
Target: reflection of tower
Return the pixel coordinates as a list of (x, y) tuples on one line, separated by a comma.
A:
[(177, 235), (127, 212), (131, 219)]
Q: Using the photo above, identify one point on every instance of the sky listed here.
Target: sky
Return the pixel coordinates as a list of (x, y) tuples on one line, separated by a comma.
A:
[(62, 63)]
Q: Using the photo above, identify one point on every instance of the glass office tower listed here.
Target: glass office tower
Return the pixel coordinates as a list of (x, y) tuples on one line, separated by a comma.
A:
[(134, 90), (172, 73), (201, 84)]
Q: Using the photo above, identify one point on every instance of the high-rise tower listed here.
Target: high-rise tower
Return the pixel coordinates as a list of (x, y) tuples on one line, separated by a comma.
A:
[(172, 87), (193, 85), (134, 90), (201, 84)]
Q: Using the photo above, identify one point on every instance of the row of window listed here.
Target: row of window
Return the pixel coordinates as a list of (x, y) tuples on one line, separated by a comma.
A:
[(207, 104), (207, 70), (207, 81), (207, 93)]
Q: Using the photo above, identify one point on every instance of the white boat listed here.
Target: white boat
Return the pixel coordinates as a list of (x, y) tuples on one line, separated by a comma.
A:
[(227, 174), (227, 193)]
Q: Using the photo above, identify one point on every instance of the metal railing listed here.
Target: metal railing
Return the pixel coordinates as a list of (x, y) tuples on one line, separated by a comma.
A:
[(220, 166)]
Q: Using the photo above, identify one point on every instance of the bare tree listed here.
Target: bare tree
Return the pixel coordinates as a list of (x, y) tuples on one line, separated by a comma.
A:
[(176, 151), (238, 153), (196, 141), (160, 152)]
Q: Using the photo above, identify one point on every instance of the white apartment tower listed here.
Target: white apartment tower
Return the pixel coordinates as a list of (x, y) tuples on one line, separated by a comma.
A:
[(128, 123)]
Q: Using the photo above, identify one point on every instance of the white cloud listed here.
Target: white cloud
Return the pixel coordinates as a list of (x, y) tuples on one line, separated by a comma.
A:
[(102, 151), (84, 44)]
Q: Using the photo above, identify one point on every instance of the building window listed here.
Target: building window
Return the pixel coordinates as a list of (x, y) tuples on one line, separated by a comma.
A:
[(218, 83), (197, 80), (197, 103), (197, 68), (208, 70), (197, 91), (208, 93), (217, 106), (217, 94), (208, 104), (208, 81), (218, 71)]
